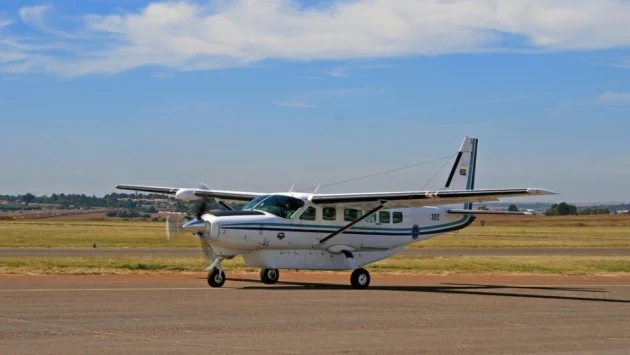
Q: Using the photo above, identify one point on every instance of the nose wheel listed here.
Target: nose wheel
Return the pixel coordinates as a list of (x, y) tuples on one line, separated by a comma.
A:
[(269, 276), (216, 277)]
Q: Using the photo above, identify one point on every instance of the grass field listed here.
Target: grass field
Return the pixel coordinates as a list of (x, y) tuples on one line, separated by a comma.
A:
[(561, 265), (522, 232)]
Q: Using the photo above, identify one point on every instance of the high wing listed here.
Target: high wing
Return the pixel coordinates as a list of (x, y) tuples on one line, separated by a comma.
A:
[(153, 189), (422, 198), (459, 188), (484, 212), (194, 194)]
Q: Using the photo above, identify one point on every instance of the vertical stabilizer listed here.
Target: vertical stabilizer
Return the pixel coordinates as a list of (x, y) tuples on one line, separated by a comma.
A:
[(462, 174)]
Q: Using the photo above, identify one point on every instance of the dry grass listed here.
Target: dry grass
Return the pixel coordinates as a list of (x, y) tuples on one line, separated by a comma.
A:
[(522, 231), (543, 232), (535, 265), (565, 265), (103, 265), (69, 234)]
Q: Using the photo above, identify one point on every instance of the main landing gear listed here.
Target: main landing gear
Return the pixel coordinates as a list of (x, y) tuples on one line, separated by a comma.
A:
[(269, 276), (360, 278)]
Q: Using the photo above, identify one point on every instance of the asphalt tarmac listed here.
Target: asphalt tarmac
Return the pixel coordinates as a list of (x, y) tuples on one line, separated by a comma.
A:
[(196, 252), (314, 313)]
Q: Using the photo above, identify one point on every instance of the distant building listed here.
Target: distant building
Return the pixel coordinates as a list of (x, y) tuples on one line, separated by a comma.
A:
[(623, 211)]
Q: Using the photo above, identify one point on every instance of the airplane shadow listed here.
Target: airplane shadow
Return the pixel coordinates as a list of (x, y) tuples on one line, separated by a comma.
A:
[(444, 288)]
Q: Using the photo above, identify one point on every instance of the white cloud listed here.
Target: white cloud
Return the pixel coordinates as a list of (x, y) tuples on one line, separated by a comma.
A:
[(4, 22), (612, 97), (339, 72), (345, 70), (295, 103), (207, 35), (305, 99), (34, 15), (506, 99)]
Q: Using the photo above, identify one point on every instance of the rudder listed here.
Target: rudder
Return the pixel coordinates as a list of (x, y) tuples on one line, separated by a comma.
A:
[(462, 175)]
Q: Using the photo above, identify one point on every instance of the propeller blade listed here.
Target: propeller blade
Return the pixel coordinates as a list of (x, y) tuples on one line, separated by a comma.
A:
[(205, 246), (174, 225), (201, 208)]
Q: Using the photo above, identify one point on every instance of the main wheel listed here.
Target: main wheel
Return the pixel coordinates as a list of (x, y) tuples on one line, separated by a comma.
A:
[(360, 278), (269, 276), (216, 278)]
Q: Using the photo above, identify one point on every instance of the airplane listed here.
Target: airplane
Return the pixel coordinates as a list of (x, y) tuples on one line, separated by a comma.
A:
[(321, 231)]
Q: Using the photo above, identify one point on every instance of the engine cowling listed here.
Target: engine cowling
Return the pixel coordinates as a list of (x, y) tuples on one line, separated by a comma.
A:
[(207, 228)]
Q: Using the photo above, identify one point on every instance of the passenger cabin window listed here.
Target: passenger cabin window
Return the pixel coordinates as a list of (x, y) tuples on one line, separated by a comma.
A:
[(371, 219), (281, 206), (310, 214), (350, 214), (329, 213), (397, 217), (383, 217)]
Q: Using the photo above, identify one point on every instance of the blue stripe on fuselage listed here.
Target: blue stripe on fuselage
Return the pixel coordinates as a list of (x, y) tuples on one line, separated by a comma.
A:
[(313, 228)]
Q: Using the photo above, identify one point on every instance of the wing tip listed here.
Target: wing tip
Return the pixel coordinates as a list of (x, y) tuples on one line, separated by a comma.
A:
[(536, 191)]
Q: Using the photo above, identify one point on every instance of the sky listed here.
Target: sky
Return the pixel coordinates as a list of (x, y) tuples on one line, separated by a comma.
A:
[(257, 95)]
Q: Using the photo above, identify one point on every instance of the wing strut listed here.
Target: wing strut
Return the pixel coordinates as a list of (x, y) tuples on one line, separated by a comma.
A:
[(349, 225), (225, 205)]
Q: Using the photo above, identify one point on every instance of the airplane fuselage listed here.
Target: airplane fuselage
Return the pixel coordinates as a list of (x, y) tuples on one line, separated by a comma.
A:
[(268, 241)]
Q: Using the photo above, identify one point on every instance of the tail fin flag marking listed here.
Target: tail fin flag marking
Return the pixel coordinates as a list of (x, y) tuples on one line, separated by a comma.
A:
[(462, 175)]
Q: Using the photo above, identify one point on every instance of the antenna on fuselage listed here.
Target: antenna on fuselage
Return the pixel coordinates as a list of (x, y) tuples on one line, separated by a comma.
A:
[(317, 188), (292, 186)]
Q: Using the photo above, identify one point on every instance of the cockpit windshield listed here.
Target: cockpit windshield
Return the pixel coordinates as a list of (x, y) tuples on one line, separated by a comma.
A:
[(254, 202), (281, 206)]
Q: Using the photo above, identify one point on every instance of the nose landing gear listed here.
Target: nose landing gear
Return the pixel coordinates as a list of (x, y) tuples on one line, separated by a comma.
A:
[(216, 276)]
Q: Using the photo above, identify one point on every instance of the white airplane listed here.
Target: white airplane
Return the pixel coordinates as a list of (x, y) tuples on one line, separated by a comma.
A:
[(314, 231)]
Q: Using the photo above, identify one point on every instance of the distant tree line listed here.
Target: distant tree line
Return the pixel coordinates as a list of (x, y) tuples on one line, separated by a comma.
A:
[(127, 214), (14, 207), (565, 209), (130, 203), (113, 200)]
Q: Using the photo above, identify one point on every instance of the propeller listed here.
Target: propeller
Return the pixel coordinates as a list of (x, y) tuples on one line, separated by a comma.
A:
[(177, 223), (174, 224)]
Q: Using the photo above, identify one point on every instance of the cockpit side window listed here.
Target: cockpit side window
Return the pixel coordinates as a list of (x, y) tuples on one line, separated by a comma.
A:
[(310, 214)]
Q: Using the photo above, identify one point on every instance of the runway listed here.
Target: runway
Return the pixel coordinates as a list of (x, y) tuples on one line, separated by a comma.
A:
[(196, 252), (314, 313)]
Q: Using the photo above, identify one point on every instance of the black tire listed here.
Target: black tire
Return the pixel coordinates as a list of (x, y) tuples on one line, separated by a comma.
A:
[(216, 278), (269, 276), (360, 278)]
